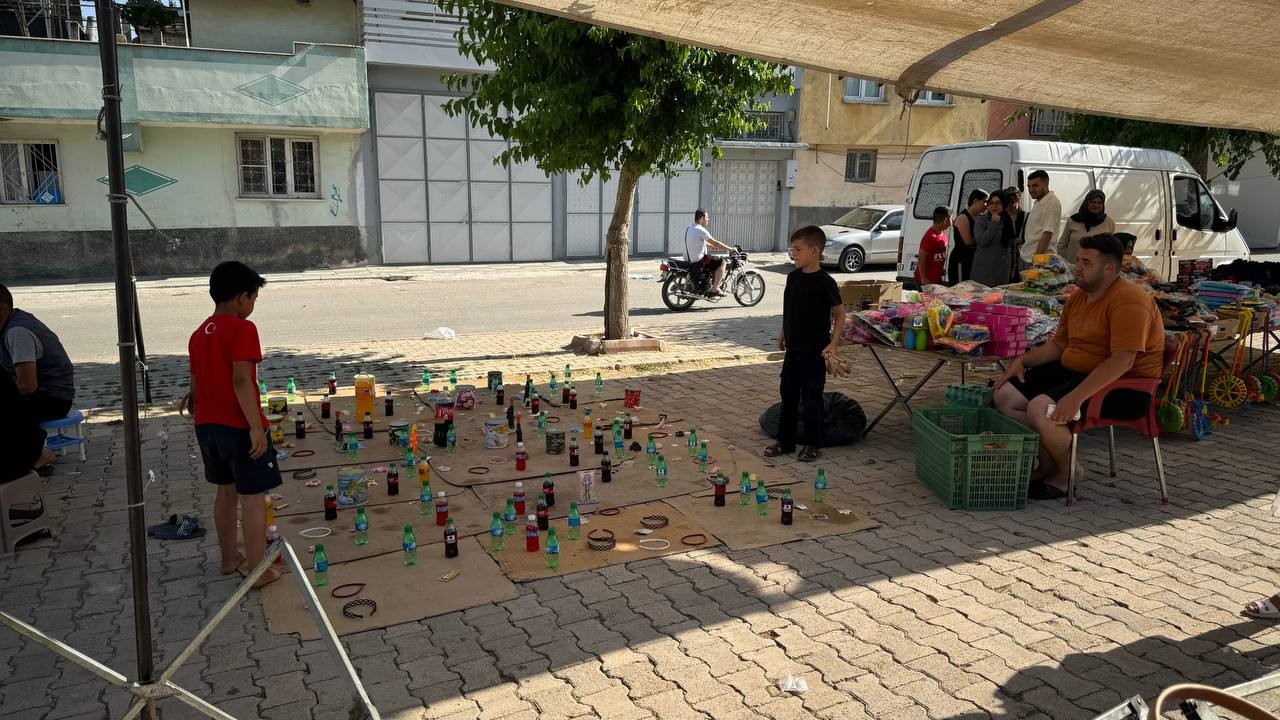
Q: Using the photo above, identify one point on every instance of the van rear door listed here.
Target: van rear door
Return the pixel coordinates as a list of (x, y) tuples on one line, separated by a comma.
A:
[(1135, 201)]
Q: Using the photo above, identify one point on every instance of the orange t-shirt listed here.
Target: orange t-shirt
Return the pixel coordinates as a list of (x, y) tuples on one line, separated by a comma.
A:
[(1124, 318)]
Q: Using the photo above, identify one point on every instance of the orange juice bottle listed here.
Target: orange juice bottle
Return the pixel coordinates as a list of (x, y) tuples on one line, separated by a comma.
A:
[(364, 394), (587, 428)]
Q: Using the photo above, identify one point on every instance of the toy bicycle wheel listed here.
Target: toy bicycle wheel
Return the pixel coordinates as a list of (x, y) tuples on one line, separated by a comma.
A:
[(1269, 387), (1199, 422), (1170, 417), (1228, 391), (1253, 388)]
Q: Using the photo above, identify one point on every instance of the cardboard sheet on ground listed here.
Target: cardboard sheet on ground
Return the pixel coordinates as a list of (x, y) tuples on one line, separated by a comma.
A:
[(521, 565), (403, 594), (386, 526), (739, 528)]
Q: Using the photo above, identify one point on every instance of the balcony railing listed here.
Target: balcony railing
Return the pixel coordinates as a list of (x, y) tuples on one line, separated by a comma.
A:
[(412, 32), (1047, 122), (777, 127)]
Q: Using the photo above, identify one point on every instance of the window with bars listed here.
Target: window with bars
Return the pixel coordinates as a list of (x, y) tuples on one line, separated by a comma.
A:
[(860, 166), (29, 173), (277, 167), (1047, 122), (930, 97), (864, 91)]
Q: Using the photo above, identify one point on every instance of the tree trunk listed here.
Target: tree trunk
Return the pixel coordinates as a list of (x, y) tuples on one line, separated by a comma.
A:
[(617, 246), (1198, 153)]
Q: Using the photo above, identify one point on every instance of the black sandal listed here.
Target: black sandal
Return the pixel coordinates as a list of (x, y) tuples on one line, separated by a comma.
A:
[(809, 454), (1044, 491), (776, 450)]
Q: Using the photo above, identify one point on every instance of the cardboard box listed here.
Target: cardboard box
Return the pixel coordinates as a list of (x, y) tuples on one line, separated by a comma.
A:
[(863, 294)]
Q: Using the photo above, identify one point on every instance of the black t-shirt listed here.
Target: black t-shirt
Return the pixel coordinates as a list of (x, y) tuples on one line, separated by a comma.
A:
[(806, 309)]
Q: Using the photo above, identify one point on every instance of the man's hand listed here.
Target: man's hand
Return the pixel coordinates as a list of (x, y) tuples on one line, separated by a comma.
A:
[(1066, 409), (257, 443), (782, 342), (829, 352), (1015, 369)]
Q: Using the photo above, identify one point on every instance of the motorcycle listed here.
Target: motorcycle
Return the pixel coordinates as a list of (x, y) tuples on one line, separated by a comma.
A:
[(684, 282)]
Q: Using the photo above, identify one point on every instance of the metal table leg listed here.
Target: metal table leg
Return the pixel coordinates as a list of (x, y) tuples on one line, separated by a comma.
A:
[(898, 396)]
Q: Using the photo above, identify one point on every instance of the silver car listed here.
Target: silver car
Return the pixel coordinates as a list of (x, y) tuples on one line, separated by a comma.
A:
[(866, 235)]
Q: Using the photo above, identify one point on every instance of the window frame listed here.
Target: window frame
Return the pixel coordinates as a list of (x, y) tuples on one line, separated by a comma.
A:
[(928, 211), (962, 200), (1201, 196), (861, 97), (1046, 122), (881, 224), (290, 182), (931, 98), (25, 173), (852, 155)]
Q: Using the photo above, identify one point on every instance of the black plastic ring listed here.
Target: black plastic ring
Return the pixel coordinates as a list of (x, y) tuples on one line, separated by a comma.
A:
[(302, 453), (478, 470), (653, 522), (686, 540), (308, 474), (359, 588), (347, 609), (610, 511), (658, 435), (605, 541)]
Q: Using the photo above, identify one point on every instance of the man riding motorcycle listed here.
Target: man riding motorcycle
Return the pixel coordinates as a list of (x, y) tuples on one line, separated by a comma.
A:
[(697, 244)]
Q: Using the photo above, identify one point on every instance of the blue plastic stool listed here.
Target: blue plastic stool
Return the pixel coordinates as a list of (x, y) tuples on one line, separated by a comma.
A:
[(61, 441)]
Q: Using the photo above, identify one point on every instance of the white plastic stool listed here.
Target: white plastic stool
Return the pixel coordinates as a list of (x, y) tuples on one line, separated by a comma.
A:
[(25, 489), (61, 441)]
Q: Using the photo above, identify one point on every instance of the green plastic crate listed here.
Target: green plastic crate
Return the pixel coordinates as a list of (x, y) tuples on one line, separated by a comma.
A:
[(968, 395), (967, 469)]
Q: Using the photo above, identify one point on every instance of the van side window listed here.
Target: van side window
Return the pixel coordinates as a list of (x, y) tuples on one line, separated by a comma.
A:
[(989, 180), (1193, 205), (934, 190)]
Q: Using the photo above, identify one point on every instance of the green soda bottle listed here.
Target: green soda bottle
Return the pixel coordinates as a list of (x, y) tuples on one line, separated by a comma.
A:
[(744, 489), (496, 531), (651, 452), (410, 546), (703, 456), (262, 391), (662, 471), (451, 439), (599, 384), (321, 563), (693, 442), (574, 521), (553, 384), (820, 487), (553, 548), (568, 374), (509, 518), (362, 527), (353, 446), (762, 499), (291, 388), (617, 443), (426, 380), (425, 498)]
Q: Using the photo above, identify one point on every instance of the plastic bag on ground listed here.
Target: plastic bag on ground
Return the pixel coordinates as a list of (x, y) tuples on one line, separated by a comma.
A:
[(442, 333)]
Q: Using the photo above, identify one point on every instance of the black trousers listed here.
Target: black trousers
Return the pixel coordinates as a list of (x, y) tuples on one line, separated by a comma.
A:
[(803, 376), (959, 263), (23, 437), (45, 407)]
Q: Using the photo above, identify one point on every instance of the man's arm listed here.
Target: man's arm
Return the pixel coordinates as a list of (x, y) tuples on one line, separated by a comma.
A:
[(1046, 353), (247, 396), (782, 338), (1111, 370), (718, 245), (1042, 245), (26, 378)]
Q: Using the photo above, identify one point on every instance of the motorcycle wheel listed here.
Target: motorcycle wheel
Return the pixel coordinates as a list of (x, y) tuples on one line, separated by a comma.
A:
[(672, 285), (748, 288)]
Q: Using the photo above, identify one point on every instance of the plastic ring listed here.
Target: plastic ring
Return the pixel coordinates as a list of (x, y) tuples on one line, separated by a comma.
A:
[(686, 540), (602, 545), (654, 522), (478, 470), (651, 546), (316, 533), (359, 588), (497, 460), (609, 512), (347, 609), (604, 534), (553, 419), (308, 474), (303, 453), (658, 435)]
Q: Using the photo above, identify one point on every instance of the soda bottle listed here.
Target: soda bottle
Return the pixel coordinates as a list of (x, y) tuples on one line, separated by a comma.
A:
[(617, 424), (762, 499), (587, 427), (362, 527), (573, 398), (662, 471), (535, 406), (424, 473), (500, 396), (410, 546), (453, 377), (368, 427), (291, 388), (549, 490), (568, 374), (393, 479), (606, 469), (425, 498), (413, 439), (820, 487), (273, 534), (509, 518), (299, 427), (519, 429), (693, 441), (573, 451), (626, 427), (333, 383), (702, 457), (337, 431), (531, 534), (352, 446), (651, 452), (542, 514), (574, 521), (389, 404), (787, 506), (553, 384), (442, 508), (330, 503), (450, 539), (262, 389), (495, 534), (744, 489), (517, 497), (426, 381), (451, 439), (528, 390), (270, 510), (617, 444), (599, 441), (320, 562), (720, 484), (599, 384), (522, 457), (511, 414), (326, 407), (553, 550)]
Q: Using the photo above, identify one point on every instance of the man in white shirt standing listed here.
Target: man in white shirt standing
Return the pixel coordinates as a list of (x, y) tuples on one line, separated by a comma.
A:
[(697, 243), (1044, 222)]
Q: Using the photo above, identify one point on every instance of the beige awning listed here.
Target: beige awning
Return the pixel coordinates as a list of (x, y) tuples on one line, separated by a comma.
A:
[(1199, 62)]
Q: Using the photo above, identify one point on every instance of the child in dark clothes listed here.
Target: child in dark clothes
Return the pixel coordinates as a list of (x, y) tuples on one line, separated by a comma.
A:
[(812, 319)]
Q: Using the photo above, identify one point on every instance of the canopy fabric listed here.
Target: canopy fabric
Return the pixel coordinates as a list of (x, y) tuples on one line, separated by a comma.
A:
[(1207, 62)]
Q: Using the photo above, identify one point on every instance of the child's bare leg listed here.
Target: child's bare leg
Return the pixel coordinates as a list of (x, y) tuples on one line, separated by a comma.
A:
[(224, 521), (253, 522)]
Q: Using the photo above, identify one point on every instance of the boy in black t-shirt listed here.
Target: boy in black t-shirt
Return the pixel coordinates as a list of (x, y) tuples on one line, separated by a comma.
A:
[(810, 307)]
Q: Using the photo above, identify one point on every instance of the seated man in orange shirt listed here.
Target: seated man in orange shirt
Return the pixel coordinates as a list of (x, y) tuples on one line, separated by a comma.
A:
[(1110, 328)]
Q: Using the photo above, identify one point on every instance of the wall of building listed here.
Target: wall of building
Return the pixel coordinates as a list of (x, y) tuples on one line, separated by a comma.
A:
[(997, 129), (201, 207), (272, 25), (822, 195), (877, 124)]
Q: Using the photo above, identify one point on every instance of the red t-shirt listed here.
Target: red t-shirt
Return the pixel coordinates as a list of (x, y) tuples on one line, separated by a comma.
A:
[(219, 342), (932, 257)]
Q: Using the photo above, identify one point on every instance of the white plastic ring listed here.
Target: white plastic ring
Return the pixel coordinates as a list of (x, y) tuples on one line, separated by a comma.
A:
[(654, 544), (316, 533)]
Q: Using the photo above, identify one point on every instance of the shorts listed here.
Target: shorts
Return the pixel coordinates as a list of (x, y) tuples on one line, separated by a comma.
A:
[(1056, 381), (712, 262), (226, 460)]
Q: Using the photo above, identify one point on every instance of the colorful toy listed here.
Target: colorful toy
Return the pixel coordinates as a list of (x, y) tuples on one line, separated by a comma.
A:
[(1169, 412), (1229, 389)]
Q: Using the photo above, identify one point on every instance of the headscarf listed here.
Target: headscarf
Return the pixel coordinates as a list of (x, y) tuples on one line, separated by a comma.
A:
[(1088, 219)]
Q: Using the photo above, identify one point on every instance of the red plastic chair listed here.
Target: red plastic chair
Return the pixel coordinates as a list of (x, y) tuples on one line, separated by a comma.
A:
[(1147, 425)]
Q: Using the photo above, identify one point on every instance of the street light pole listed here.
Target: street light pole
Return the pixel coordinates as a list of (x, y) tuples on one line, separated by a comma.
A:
[(126, 333)]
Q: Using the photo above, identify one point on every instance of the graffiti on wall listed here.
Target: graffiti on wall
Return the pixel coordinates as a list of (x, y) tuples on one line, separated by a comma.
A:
[(335, 200)]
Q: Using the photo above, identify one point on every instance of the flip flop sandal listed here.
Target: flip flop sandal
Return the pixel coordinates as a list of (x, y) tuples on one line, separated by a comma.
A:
[(1264, 608), (809, 454), (184, 528), (776, 450)]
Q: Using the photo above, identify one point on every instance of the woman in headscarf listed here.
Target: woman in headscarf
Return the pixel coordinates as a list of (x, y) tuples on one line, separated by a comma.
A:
[(1091, 220), (993, 238)]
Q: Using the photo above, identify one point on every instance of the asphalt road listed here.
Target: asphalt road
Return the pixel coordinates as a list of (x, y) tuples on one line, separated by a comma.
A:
[(314, 308)]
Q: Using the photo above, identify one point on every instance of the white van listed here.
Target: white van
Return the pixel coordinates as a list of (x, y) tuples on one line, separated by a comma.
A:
[(1154, 195)]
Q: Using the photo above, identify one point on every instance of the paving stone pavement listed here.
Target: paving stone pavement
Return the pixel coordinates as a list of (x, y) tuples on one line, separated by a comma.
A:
[(1051, 612)]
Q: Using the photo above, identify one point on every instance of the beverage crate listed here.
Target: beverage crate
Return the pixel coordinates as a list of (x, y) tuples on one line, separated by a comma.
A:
[(968, 395), (974, 459)]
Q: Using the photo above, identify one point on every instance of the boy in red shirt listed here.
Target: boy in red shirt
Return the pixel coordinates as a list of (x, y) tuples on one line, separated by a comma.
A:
[(931, 259), (230, 427)]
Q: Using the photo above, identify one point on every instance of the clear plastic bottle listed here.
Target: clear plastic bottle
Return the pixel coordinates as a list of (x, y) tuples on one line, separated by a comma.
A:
[(820, 486), (410, 546), (553, 550), (362, 527), (496, 532), (660, 467), (320, 561), (574, 521)]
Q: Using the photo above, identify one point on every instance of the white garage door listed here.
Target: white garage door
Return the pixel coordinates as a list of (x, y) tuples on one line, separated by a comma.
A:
[(744, 196), (442, 198), (663, 208)]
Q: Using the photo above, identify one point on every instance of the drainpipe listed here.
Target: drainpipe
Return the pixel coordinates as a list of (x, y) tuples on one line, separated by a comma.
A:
[(828, 126)]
